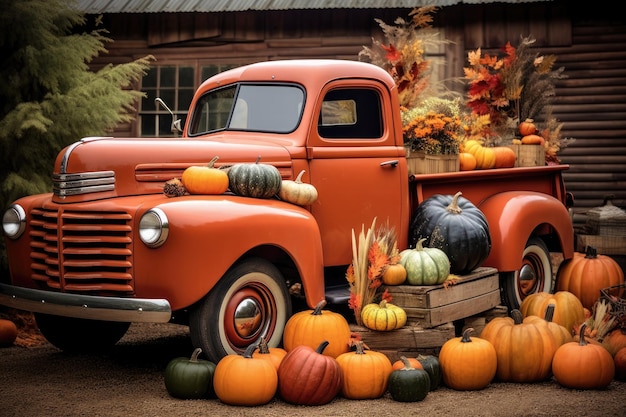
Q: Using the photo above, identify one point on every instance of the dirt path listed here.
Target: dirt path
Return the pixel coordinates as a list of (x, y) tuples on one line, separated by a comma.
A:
[(128, 381)]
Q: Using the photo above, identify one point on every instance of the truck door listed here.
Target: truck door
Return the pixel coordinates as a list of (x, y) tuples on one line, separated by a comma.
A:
[(357, 166)]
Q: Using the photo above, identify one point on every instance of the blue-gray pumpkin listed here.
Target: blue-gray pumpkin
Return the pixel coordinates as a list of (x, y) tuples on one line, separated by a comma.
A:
[(455, 225)]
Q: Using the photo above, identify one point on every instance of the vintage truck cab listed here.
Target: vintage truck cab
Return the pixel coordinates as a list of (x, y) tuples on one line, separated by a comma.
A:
[(107, 248)]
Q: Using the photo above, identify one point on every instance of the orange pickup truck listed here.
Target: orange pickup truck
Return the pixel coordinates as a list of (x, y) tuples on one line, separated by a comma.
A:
[(107, 248)]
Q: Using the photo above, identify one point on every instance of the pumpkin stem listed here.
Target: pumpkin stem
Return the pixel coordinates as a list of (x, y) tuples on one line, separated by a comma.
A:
[(454, 205), (322, 346), (263, 348), (407, 364), (419, 246), (591, 253), (195, 354), (299, 177), (250, 350), (383, 303), (581, 335), (213, 161), (318, 308), (466, 335), (360, 347), (517, 316), (549, 316), (258, 159)]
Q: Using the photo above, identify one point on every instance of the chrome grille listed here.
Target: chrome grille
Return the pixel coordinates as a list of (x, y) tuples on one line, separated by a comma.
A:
[(78, 251), (83, 183)]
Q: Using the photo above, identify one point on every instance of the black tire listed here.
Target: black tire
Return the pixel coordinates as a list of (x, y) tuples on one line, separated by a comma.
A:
[(251, 300), (75, 335), (534, 276)]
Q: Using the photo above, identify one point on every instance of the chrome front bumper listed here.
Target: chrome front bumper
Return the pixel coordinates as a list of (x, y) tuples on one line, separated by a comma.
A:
[(86, 306)]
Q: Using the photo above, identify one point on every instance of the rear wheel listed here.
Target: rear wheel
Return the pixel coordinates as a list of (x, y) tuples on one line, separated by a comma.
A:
[(80, 335), (534, 276), (250, 301)]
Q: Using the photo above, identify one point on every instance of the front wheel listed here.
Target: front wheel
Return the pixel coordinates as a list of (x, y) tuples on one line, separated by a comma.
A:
[(80, 335), (250, 301), (534, 276)]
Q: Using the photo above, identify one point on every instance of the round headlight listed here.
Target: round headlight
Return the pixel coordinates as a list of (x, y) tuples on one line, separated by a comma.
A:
[(153, 228), (14, 221)]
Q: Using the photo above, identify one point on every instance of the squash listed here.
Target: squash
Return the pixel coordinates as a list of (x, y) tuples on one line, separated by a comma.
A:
[(582, 365), (383, 316), (527, 127), (485, 156), (524, 349), (307, 376), (431, 364), (586, 274), (274, 355), (505, 157), (425, 266), (533, 140), (254, 180), (467, 161), (190, 378), (568, 310), (8, 332), (311, 327), (455, 225), (614, 341), (467, 363), (245, 380), (205, 179), (365, 373), (298, 192), (408, 384), (620, 364), (394, 274)]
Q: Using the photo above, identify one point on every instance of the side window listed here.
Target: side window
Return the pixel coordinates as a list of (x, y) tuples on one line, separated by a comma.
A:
[(351, 113)]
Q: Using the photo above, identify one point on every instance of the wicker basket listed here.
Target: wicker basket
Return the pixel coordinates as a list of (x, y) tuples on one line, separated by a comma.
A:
[(606, 220), (615, 297)]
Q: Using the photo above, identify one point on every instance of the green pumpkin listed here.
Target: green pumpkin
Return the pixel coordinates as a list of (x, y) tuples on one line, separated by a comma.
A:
[(455, 225), (254, 180), (408, 384), (425, 266), (190, 378), (431, 365)]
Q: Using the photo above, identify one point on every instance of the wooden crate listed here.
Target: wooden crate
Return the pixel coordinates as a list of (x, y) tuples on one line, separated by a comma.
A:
[(421, 163), (529, 155), (605, 245), (430, 306)]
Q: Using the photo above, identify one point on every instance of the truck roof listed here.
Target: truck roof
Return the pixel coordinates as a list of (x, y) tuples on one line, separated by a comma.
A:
[(312, 73)]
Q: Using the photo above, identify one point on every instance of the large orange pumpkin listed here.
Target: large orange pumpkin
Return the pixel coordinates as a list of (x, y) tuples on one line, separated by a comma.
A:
[(524, 349), (587, 273), (505, 157), (312, 327), (568, 310)]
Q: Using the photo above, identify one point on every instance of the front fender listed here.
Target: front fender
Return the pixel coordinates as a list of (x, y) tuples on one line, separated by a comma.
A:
[(513, 216), (208, 234)]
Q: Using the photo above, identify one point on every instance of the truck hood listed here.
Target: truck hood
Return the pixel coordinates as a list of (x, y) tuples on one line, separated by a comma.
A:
[(100, 167)]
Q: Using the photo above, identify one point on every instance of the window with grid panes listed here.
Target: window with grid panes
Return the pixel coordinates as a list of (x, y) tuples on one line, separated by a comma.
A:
[(175, 84)]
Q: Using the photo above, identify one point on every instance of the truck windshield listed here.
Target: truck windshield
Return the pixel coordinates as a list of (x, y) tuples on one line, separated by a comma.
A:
[(273, 108)]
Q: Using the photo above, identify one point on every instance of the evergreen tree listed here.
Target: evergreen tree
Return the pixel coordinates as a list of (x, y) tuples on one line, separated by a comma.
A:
[(49, 96)]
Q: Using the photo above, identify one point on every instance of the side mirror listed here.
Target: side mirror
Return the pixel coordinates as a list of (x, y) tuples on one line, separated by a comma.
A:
[(175, 127)]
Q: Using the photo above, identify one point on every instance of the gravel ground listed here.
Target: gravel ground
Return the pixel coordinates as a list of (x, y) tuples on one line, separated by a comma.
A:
[(42, 381)]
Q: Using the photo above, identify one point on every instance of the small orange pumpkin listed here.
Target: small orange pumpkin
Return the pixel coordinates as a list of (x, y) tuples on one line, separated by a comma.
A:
[(8, 332), (614, 341), (365, 373), (620, 364), (467, 162), (505, 157), (394, 274), (274, 355), (533, 140), (414, 362), (527, 127), (586, 274), (205, 179)]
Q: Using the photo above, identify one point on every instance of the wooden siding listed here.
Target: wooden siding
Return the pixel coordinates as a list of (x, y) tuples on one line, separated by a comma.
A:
[(591, 101)]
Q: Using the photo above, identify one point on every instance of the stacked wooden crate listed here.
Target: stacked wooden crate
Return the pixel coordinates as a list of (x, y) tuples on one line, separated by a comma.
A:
[(432, 311)]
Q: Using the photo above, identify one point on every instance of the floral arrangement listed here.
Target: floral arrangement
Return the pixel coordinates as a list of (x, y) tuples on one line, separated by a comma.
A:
[(511, 88), (371, 255), (434, 127)]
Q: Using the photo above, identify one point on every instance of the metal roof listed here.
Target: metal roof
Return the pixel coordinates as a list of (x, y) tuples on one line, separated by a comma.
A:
[(206, 6)]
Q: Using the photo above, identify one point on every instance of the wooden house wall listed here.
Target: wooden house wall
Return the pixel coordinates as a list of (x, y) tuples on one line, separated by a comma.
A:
[(591, 46)]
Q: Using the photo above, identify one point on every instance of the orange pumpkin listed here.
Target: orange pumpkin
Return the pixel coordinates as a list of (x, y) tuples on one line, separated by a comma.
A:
[(485, 157), (586, 274), (414, 362), (505, 157), (620, 364), (582, 365), (568, 310), (205, 179), (467, 162), (365, 373), (614, 341), (273, 355), (8, 332), (560, 333), (527, 127), (394, 274), (312, 327), (533, 140), (524, 349)]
